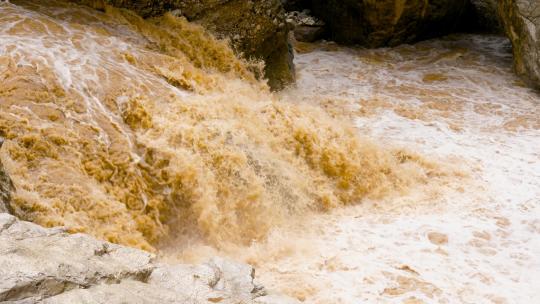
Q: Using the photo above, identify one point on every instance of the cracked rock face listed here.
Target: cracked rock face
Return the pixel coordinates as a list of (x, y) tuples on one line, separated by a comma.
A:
[(521, 19), (39, 265)]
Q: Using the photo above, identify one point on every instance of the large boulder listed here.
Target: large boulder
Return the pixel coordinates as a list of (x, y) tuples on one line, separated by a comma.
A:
[(257, 29), (6, 186), (389, 22), (521, 19), (40, 265)]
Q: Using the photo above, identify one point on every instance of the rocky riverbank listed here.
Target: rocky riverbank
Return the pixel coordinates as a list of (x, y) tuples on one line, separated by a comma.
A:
[(141, 128), (394, 22), (39, 265)]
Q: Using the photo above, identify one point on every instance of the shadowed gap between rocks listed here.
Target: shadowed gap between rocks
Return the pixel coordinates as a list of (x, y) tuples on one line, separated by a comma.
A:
[(388, 23)]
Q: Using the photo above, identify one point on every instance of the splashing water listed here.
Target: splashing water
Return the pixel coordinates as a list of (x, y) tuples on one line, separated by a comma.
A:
[(151, 133), (476, 242), (141, 131)]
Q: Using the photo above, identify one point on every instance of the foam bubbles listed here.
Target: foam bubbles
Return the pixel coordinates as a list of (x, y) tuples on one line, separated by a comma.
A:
[(145, 132)]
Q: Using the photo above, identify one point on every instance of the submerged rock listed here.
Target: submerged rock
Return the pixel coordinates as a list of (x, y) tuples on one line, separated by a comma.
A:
[(389, 22), (521, 19), (50, 266), (257, 29)]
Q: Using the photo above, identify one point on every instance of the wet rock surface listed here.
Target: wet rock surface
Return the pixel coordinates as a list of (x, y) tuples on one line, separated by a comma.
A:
[(39, 265), (6, 186), (307, 28), (521, 19), (257, 29)]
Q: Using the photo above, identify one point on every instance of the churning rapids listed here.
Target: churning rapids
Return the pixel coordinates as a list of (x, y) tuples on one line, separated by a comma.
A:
[(404, 175)]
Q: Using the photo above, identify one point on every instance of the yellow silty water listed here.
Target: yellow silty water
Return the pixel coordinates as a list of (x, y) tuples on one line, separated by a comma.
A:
[(133, 130)]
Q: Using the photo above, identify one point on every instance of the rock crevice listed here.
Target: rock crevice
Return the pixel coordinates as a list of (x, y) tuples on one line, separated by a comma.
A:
[(389, 22)]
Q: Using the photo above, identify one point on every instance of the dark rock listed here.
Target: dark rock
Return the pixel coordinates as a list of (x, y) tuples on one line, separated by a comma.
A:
[(6, 186), (486, 16), (306, 27), (521, 19), (389, 22), (296, 5), (308, 33), (257, 29)]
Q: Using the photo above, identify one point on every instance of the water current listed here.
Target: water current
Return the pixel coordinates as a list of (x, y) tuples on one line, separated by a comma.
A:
[(400, 175)]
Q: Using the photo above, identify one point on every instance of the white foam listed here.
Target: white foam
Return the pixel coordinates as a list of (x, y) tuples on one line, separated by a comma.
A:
[(493, 227)]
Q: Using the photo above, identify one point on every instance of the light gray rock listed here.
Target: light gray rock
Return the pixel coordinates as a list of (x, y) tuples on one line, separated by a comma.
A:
[(41, 265), (127, 291), (217, 281), (36, 263)]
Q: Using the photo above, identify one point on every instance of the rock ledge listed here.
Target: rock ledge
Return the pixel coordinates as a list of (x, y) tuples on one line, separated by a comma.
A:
[(39, 265)]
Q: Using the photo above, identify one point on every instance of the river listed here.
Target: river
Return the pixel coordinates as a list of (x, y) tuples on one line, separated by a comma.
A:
[(399, 175)]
